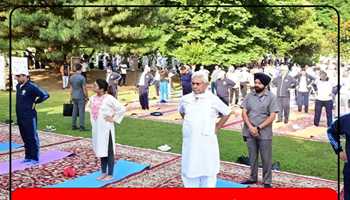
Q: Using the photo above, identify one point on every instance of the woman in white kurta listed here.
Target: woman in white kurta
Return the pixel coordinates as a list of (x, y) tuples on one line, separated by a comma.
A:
[(104, 111), (200, 150)]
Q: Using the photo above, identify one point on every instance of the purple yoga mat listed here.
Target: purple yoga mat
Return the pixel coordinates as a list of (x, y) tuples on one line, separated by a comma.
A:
[(44, 158)]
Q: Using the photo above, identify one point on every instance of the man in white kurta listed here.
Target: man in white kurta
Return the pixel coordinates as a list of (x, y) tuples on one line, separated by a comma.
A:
[(200, 149)]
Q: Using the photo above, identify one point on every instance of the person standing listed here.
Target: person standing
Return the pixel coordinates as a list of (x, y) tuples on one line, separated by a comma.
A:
[(324, 90), (105, 110), (186, 77), (304, 82), (123, 72), (244, 81), (65, 74), (164, 85), (84, 69), (203, 70), (112, 79), (79, 96), (156, 81), (145, 80), (28, 94), (334, 132), (199, 109), (214, 77), (259, 110), (223, 85), (284, 82), (233, 75)]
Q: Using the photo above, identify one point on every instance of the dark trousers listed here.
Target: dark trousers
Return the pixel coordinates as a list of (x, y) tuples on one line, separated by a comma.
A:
[(224, 99), (143, 97), (284, 104), (78, 106), (122, 81), (29, 134), (186, 89), (244, 89), (318, 111), (264, 148), (303, 100), (236, 92), (108, 162), (213, 87)]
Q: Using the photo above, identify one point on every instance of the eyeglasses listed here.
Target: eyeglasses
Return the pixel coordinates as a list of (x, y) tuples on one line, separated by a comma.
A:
[(193, 83)]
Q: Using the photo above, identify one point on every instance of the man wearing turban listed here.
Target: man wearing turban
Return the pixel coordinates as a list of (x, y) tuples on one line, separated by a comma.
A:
[(259, 110)]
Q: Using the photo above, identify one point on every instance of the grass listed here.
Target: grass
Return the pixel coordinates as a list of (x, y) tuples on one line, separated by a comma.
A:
[(295, 155)]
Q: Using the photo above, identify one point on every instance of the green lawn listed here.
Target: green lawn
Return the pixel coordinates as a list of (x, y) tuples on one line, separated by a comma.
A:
[(297, 156)]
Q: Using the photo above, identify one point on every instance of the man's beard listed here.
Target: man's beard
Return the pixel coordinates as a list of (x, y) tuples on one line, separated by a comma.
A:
[(258, 89)]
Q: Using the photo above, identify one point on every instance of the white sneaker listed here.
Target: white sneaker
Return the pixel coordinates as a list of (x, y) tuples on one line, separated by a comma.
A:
[(164, 147)]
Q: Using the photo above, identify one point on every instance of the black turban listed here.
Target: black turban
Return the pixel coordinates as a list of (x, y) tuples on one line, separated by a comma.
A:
[(264, 79)]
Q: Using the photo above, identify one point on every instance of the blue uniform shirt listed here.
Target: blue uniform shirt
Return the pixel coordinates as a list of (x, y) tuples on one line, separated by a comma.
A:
[(334, 135), (26, 96)]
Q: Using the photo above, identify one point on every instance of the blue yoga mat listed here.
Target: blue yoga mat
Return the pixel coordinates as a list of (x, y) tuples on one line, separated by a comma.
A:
[(4, 146), (228, 184), (122, 169)]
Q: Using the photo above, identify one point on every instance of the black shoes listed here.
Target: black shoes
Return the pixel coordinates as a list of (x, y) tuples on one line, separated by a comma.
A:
[(83, 129), (247, 182), (80, 129)]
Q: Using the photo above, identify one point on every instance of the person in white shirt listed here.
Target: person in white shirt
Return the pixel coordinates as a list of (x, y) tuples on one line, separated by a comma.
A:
[(324, 98), (123, 72), (304, 82), (233, 75), (199, 109), (344, 103), (244, 81), (84, 69), (214, 77), (156, 80), (104, 110), (205, 71)]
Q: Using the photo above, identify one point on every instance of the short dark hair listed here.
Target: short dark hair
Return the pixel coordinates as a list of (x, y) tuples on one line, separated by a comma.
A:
[(78, 67), (102, 84)]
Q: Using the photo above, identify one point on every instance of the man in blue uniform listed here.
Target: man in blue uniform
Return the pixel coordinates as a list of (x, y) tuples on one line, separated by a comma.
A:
[(186, 79), (28, 94), (334, 138)]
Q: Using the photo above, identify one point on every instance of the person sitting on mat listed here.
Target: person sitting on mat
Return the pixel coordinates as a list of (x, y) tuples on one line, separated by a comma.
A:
[(104, 111)]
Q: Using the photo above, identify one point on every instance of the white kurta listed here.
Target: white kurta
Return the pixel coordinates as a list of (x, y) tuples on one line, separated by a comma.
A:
[(200, 148), (101, 128)]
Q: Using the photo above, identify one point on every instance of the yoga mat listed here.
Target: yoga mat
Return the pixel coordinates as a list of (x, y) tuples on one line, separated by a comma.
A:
[(220, 183), (122, 169), (44, 158), (4, 146)]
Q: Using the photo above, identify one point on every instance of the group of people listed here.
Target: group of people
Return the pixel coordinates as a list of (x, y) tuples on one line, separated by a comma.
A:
[(202, 103), (104, 110), (301, 82)]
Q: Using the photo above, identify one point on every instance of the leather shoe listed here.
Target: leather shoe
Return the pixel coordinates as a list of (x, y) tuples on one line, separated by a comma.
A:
[(248, 182)]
